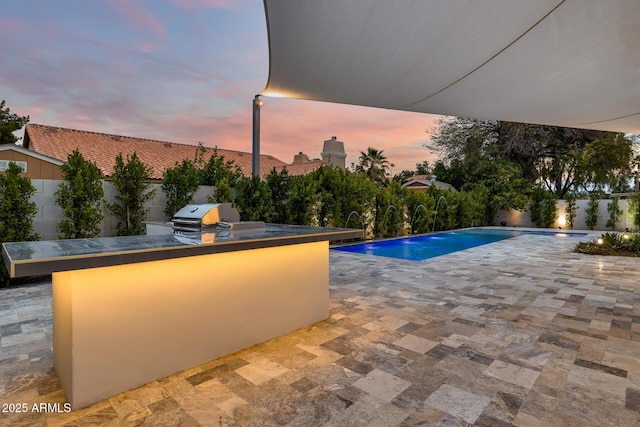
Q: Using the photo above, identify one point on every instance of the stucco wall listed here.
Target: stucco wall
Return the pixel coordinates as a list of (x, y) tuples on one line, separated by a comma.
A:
[(49, 215), (522, 219)]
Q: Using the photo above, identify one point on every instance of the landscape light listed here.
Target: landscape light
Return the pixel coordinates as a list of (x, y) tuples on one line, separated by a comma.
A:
[(562, 220), (600, 241)]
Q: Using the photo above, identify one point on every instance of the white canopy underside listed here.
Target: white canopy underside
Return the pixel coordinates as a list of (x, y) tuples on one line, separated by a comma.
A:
[(572, 63)]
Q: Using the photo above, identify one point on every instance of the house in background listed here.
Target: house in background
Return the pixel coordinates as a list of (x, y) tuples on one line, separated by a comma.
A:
[(45, 148), (332, 154), (102, 149), (35, 165), (423, 182)]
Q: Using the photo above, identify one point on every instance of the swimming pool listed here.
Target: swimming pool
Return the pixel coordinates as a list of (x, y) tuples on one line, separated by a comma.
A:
[(419, 248)]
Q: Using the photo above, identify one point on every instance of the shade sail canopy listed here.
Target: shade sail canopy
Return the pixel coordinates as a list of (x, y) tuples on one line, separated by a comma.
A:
[(573, 63)]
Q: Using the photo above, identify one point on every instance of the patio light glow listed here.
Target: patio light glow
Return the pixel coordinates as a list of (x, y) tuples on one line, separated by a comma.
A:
[(562, 220), (274, 94)]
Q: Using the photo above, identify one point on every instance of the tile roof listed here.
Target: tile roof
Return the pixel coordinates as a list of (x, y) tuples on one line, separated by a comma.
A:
[(296, 169), (103, 148), (423, 181)]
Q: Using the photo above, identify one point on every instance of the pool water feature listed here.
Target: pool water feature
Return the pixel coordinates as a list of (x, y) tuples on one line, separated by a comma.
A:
[(419, 248)]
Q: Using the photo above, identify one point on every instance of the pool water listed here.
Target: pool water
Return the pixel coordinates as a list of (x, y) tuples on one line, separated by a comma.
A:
[(418, 248)]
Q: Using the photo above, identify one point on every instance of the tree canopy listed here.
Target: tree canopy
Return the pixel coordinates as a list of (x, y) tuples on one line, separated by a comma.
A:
[(562, 160), (9, 123), (422, 168), (373, 164), (216, 169)]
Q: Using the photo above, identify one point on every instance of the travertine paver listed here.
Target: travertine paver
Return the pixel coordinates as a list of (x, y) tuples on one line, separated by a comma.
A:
[(459, 403), (522, 332)]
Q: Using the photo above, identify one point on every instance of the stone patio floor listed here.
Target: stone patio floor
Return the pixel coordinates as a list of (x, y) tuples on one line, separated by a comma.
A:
[(520, 332)]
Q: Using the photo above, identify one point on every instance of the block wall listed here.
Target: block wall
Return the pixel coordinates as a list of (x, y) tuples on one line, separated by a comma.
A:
[(49, 215), (515, 218)]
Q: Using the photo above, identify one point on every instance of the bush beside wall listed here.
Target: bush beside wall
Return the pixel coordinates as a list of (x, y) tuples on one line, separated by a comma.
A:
[(46, 221), (515, 218), (49, 214)]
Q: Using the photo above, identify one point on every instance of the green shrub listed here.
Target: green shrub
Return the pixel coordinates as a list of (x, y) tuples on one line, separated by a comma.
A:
[(542, 207), (549, 214), (390, 213), (420, 206), (471, 206), (16, 209), (81, 197), (338, 193), (614, 213), (634, 209), (253, 200), (222, 192), (302, 199), (216, 168), (279, 186), (179, 184), (621, 244), (592, 211), (131, 181), (570, 209), (611, 240)]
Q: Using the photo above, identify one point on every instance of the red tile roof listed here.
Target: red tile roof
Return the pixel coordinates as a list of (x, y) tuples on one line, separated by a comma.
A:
[(418, 182), (103, 149), (296, 169)]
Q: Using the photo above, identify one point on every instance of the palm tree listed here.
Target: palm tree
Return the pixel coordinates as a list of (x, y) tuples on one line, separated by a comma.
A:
[(374, 164)]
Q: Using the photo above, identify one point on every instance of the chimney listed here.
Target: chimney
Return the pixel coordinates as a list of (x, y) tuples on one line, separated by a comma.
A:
[(300, 158), (333, 152)]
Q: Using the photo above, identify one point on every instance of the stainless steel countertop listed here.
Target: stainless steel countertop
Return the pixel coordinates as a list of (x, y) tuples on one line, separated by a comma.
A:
[(45, 257)]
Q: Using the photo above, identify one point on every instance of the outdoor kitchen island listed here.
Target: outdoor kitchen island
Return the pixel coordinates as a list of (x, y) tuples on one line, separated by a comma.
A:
[(131, 310)]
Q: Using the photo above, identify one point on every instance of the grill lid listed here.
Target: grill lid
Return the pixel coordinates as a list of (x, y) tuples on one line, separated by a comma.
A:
[(203, 215)]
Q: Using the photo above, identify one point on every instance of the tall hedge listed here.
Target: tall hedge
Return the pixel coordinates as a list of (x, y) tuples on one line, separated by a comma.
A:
[(592, 211), (130, 180), (81, 198), (16, 209), (179, 184), (613, 208)]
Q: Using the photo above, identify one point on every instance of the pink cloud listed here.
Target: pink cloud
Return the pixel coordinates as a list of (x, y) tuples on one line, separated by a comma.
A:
[(140, 18), (150, 47), (290, 126), (8, 25)]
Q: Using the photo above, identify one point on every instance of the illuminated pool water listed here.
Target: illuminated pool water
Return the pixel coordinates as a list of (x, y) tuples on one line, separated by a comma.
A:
[(418, 248)]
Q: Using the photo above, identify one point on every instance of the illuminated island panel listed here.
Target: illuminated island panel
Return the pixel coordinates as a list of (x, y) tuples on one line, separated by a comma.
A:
[(120, 326)]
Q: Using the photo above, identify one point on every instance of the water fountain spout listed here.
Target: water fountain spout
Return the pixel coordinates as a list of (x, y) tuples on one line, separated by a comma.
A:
[(433, 226), (384, 218), (349, 217), (414, 214)]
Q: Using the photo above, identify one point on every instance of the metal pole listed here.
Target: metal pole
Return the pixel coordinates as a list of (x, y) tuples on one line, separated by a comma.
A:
[(255, 169)]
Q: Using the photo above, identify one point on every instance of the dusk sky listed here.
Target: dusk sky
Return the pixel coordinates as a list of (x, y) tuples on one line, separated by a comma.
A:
[(181, 71)]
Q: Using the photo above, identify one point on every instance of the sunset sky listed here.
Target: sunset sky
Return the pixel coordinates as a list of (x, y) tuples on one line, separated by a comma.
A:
[(181, 71)]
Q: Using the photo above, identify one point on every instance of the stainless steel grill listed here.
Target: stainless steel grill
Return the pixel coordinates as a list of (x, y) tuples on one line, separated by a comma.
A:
[(210, 216), (198, 217)]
